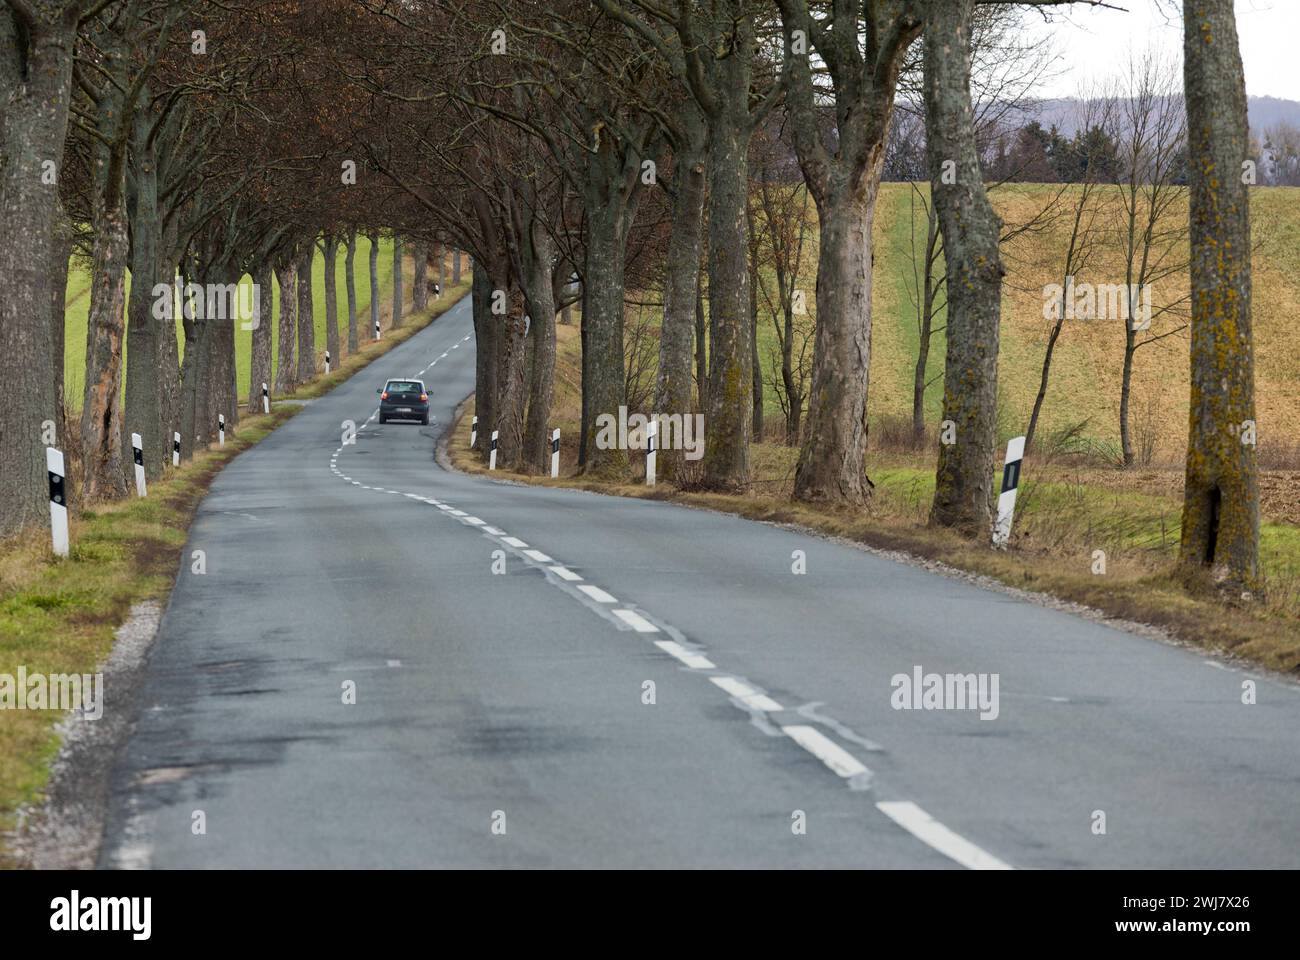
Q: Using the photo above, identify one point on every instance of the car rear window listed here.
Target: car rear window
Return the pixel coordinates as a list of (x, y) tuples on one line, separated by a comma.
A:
[(403, 386)]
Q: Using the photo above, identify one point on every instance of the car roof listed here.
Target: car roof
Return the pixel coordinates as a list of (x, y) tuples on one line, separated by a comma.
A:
[(405, 380)]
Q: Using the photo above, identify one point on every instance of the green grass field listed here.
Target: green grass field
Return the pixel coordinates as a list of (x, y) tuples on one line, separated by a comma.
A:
[(78, 306)]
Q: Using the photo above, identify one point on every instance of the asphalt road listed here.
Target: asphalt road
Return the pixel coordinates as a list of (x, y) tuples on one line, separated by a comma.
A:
[(499, 719)]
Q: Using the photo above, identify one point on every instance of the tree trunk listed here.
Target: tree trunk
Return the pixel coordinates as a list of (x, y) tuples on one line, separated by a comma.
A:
[(350, 281), (223, 394), (420, 282), (397, 281), (332, 299), (926, 332), (964, 477), (259, 370), (485, 355), (102, 472), (1041, 396), (455, 267), (540, 297), (681, 285), (196, 374), (151, 369), (1126, 393), (35, 122), (726, 452), (61, 245), (285, 379), (756, 362), (832, 460), (374, 284), (701, 350), (1220, 529), (604, 381), (511, 396), (306, 314), (585, 416)]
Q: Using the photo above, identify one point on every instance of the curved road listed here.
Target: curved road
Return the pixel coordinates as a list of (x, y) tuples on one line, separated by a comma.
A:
[(500, 718)]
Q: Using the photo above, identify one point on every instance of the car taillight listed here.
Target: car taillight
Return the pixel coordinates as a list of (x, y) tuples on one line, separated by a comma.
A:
[(424, 398), (384, 395)]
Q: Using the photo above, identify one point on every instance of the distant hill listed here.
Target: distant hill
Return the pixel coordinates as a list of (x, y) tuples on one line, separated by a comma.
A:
[(1264, 112)]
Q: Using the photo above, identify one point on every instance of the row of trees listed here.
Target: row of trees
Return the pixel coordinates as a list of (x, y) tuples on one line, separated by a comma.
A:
[(182, 142), (592, 150)]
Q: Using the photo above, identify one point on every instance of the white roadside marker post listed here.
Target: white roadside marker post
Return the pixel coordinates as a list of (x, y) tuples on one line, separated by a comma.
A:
[(176, 449), (473, 431), (651, 431), (137, 451), (221, 429), (266, 399), (555, 453), (58, 502), (327, 363), (376, 329), (1007, 498), (492, 455)]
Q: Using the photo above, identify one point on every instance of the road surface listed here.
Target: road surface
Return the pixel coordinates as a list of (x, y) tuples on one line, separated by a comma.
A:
[(500, 719)]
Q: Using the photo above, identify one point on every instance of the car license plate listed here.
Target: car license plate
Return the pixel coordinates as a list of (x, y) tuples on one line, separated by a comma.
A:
[(403, 409)]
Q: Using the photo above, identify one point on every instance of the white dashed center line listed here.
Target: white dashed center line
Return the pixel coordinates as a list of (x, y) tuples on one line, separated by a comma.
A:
[(826, 750), (597, 594), (906, 814)]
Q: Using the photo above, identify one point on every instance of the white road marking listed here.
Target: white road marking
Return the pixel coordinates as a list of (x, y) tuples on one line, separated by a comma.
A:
[(747, 694), (826, 750), (930, 831), (911, 817), (693, 660), (600, 596)]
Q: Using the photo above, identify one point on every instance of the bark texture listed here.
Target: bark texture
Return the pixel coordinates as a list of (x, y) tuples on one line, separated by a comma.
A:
[(398, 305), (485, 362), (681, 284), (35, 80), (350, 282), (420, 279), (331, 251), (259, 369), (285, 371), (1220, 528), (964, 476), (306, 315)]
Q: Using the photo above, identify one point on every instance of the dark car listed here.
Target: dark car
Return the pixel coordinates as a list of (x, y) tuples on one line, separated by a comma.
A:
[(403, 400)]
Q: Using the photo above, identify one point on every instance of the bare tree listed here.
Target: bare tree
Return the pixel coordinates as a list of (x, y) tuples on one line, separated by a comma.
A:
[(1083, 205), (1152, 145)]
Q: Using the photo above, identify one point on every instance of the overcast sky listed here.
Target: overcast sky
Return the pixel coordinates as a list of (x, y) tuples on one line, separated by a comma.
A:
[(1094, 43)]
